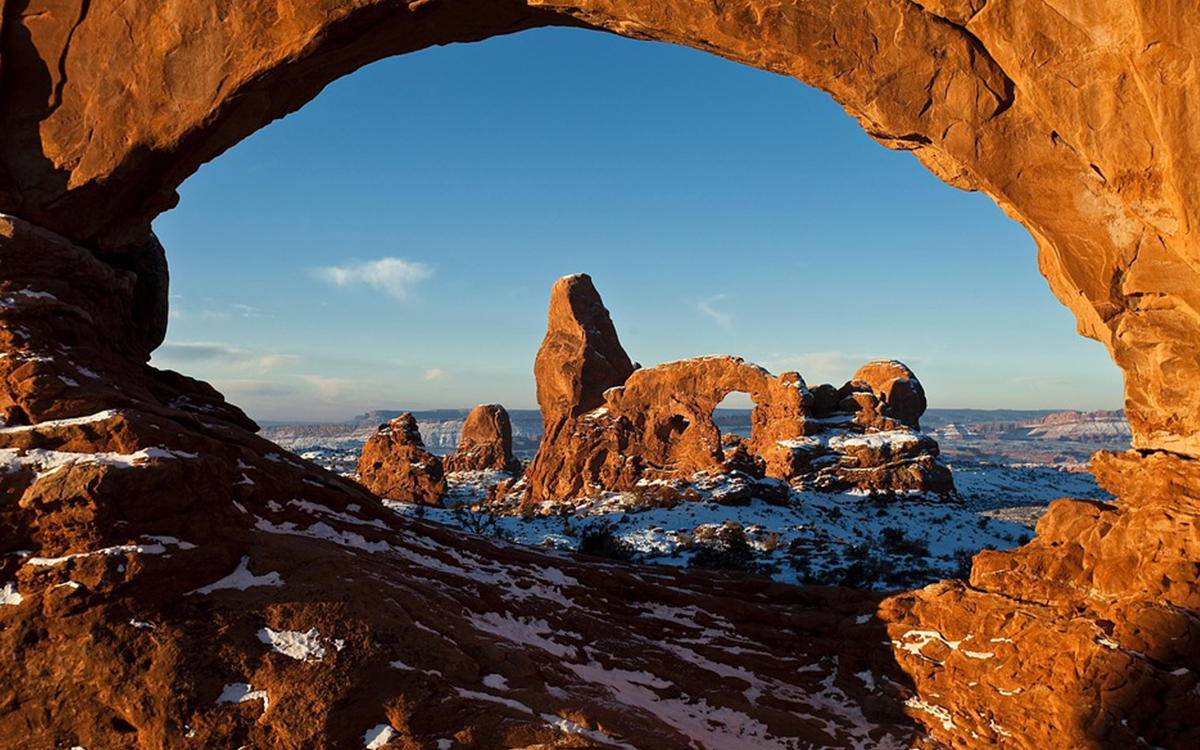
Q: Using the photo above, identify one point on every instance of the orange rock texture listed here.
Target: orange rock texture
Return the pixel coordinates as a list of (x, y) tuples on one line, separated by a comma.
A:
[(486, 442), (394, 464), (656, 425), (1075, 117), (1086, 637)]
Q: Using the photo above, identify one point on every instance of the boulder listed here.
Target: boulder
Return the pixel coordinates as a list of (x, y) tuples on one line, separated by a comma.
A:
[(486, 442), (395, 465), (899, 393), (1095, 618)]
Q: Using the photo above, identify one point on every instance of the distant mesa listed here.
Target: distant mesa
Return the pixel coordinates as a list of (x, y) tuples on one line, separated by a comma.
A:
[(396, 465)]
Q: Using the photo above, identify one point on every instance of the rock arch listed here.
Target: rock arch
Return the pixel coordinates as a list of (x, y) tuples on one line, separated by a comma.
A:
[(1074, 122), (1075, 117), (690, 390)]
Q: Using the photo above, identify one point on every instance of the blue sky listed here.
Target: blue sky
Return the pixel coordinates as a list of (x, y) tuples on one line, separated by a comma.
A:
[(393, 244)]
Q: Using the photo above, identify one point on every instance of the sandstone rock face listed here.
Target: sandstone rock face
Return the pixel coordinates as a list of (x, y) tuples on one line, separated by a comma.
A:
[(169, 579), (657, 425), (395, 465), (1076, 118), (580, 357), (486, 442), (897, 391), (1087, 637), (1045, 110)]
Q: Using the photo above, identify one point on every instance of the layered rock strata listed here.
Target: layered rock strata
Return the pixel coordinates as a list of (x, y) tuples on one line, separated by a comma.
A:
[(486, 443), (394, 464), (1088, 637), (656, 426)]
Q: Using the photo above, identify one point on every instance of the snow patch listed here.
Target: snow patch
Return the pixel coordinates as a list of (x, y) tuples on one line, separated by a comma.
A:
[(101, 416), (378, 736), (10, 595), (301, 646), (155, 547), (241, 579), (240, 692)]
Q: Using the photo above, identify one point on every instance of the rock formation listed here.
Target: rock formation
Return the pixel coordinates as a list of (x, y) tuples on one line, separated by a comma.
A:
[(486, 442), (395, 465), (1075, 118), (1048, 644), (657, 425)]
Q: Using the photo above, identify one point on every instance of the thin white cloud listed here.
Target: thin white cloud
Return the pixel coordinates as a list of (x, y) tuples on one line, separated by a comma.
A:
[(708, 307), (396, 277), (1040, 382), (333, 388), (435, 373), (175, 354), (239, 390)]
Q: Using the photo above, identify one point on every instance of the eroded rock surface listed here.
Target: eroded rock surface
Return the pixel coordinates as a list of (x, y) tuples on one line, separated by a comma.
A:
[(486, 442), (394, 464), (1086, 637), (656, 427), (1076, 118)]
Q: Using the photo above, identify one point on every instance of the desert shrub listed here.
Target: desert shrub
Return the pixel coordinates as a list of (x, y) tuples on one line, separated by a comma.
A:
[(769, 541), (896, 542), (962, 558), (652, 497), (602, 540), (481, 522), (724, 547), (895, 562)]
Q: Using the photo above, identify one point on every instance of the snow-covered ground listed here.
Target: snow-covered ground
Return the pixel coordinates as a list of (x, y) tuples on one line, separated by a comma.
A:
[(811, 537)]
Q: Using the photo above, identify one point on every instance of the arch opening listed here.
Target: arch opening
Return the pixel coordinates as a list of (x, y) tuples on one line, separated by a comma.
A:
[(1102, 199)]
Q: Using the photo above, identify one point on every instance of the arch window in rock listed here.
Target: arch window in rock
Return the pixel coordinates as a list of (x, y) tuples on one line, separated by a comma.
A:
[(142, 513)]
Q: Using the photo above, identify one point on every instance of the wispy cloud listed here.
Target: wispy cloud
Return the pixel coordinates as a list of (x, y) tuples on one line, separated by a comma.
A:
[(396, 277), (1040, 382), (254, 389), (333, 388), (435, 373), (214, 311), (191, 352), (708, 307)]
